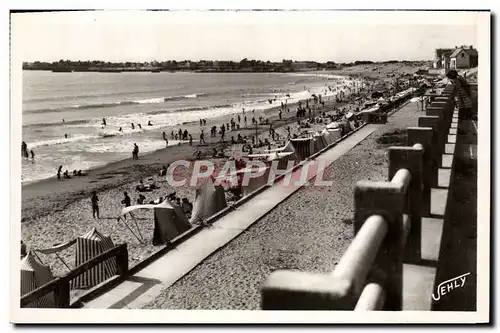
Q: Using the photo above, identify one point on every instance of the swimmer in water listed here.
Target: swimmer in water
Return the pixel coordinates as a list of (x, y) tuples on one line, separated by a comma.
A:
[(65, 135)]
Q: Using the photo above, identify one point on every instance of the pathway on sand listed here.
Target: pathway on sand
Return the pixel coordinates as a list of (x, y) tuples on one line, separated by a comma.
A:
[(309, 231)]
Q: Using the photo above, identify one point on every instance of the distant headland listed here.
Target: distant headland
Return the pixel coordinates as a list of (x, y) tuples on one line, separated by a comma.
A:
[(205, 66)]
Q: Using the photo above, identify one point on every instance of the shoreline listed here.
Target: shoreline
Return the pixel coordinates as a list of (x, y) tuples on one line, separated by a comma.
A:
[(193, 126), (115, 174)]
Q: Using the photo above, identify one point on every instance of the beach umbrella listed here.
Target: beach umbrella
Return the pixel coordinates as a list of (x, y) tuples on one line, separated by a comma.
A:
[(34, 275)]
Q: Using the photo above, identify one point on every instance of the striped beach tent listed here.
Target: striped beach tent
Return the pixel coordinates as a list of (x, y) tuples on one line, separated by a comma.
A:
[(282, 159), (319, 142), (304, 147), (34, 275), (89, 246)]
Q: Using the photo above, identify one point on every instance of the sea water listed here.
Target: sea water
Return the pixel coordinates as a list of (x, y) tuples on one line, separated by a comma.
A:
[(55, 104)]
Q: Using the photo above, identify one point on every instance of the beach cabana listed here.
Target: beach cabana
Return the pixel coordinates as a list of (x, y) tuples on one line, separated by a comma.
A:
[(304, 147), (34, 275), (253, 182), (170, 221), (282, 159), (89, 246), (319, 142), (329, 137), (209, 200), (335, 134)]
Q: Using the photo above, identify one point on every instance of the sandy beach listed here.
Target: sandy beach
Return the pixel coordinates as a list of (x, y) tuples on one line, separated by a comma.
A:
[(54, 212)]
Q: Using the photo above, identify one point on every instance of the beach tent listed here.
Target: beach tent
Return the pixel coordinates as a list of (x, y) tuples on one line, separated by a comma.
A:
[(335, 134), (304, 147), (89, 246), (282, 159), (209, 200), (253, 183), (319, 142), (286, 148), (34, 275), (330, 135), (170, 221)]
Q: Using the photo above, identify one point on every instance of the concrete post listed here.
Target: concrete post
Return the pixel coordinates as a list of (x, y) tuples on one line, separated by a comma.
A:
[(387, 200), (412, 159), (437, 148), (294, 290), (423, 135), (441, 128)]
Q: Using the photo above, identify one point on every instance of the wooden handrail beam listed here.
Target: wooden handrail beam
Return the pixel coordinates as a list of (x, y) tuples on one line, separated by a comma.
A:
[(357, 261)]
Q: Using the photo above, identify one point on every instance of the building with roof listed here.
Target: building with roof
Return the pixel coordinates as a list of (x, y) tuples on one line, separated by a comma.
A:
[(464, 57), (442, 58)]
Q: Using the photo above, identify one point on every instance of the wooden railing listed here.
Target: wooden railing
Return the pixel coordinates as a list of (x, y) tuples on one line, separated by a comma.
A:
[(60, 286), (387, 225)]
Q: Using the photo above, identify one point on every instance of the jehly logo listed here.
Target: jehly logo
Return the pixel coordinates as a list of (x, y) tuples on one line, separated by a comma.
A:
[(449, 285)]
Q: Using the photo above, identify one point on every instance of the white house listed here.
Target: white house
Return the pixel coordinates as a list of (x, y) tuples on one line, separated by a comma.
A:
[(464, 57)]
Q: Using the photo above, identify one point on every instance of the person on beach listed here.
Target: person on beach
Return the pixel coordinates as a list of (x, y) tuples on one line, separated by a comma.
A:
[(24, 149), (239, 119), (126, 199), (165, 139), (126, 202), (135, 152), (201, 122), (202, 137), (104, 121), (132, 124), (95, 206), (32, 154), (187, 207), (245, 120), (59, 171), (180, 134), (141, 199), (139, 125), (190, 140), (172, 135), (66, 174), (204, 121), (149, 123), (120, 129), (65, 135)]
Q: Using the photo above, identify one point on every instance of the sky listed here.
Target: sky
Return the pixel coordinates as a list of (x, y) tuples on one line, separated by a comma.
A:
[(131, 35)]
